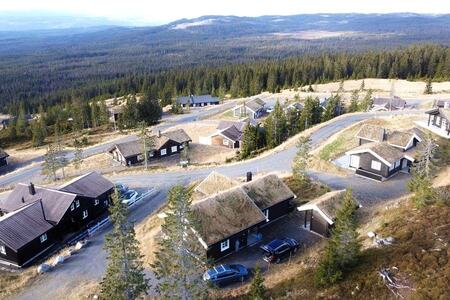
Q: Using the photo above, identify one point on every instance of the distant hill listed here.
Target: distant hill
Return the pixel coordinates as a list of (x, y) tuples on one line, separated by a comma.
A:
[(100, 50)]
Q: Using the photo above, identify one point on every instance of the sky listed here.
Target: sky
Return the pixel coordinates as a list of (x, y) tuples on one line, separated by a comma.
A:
[(164, 11)]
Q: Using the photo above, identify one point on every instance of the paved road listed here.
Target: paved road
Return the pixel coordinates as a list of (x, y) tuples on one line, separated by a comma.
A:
[(90, 265), (31, 169)]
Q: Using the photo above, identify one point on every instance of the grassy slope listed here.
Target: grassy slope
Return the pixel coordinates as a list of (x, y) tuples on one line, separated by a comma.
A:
[(421, 254)]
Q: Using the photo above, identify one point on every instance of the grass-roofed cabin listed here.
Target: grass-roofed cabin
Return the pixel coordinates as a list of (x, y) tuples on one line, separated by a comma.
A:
[(226, 222), (319, 214), (272, 196)]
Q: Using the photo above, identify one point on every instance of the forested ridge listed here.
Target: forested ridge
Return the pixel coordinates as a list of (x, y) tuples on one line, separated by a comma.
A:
[(415, 62), (53, 66)]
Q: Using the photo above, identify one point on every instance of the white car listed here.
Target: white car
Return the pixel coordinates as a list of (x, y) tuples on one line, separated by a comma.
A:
[(129, 197), (269, 109)]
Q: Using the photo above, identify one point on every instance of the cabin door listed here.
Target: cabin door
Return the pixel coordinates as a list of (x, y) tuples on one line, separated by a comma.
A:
[(354, 161), (237, 245)]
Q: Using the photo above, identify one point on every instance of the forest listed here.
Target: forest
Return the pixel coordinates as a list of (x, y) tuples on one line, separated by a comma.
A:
[(245, 79)]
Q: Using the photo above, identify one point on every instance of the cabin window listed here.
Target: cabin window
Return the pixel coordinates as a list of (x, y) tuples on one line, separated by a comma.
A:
[(224, 245), (96, 202), (266, 214), (163, 152), (72, 206), (43, 237), (106, 202), (174, 149), (2, 250), (225, 142), (181, 146), (151, 154), (376, 165), (77, 203), (140, 157), (85, 214)]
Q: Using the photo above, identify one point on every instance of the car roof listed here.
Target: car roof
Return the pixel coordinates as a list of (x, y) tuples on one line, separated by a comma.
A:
[(276, 243)]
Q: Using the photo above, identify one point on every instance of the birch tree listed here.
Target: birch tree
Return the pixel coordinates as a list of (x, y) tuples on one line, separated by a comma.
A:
[(180, 258), (51, 163)]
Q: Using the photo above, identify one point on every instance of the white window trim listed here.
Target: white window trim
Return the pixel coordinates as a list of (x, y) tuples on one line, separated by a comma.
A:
[(174, 147), (225, 245), (266, 214), (181, 146), (375, 165), (225, 142), (85, 214), (2, 249), (72, 206), (43, 238), (163, 152), (77, 203), (96, 202)]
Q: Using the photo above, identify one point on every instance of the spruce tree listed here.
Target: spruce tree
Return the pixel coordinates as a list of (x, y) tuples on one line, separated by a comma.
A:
[(95, 114), (354, 101), (38, 134), (257, 288), (147, 142), (343, 248), (276, 127), (428, 87), (301, 160), (367, 102), (124, 277), (249, 141), (363, 86), (103, 113), (78, 154), (180, 258)]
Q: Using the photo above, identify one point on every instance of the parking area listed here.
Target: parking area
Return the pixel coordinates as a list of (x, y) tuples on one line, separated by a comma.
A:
[(289, 226)]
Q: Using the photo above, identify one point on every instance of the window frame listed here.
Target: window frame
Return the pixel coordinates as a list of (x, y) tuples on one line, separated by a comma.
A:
[(2, 249), (72, 206), (163, 150), (96, 202), (375, 165), (225, 142), (266, 214), (43, 238), (85, 215), (174, 151), (225, 245), (77, 203)]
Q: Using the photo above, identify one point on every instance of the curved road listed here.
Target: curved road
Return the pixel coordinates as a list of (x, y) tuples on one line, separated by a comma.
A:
[(27, 172), (90, 264)]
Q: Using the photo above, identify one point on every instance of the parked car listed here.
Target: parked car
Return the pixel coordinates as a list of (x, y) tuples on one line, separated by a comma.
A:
[(279, 249), (269, 109), (129, 197), (121, 188), (225, 274)]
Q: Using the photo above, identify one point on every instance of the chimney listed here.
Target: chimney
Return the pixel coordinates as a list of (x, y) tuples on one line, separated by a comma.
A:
[(31, 189), (159, 133), (249, 176)]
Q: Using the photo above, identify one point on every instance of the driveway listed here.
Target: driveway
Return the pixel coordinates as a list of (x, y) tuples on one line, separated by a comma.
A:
[(91, 267)]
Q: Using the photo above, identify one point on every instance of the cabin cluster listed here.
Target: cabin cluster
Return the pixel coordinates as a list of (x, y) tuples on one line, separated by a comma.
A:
[(197, 101), (34, 219), (230, 214), (165, 144), (382, 154), (228, 134)]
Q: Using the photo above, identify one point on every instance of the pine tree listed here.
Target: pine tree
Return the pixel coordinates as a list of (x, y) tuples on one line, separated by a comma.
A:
[(78, 154), (363, 86), (257, 288), (429, 87), (301, 160), (21, 123), (124, 277), (354, 101), (180, 258), (249, 141), (343, 248), (149, 110)]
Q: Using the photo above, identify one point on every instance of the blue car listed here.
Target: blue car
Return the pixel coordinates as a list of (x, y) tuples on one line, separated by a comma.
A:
[(225, 274)]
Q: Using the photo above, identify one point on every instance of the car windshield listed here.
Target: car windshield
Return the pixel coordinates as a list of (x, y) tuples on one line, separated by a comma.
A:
[(128, 194)]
